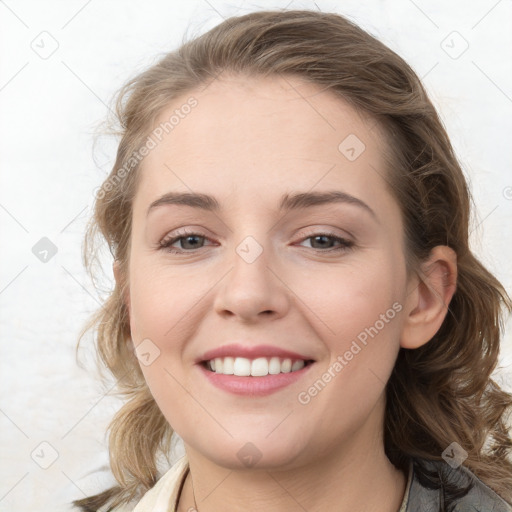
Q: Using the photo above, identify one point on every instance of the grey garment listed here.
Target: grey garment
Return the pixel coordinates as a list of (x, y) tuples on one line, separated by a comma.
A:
[(437, 487)]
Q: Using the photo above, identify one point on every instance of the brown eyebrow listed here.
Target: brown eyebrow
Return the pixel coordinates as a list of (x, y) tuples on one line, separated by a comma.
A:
[(288, 202)]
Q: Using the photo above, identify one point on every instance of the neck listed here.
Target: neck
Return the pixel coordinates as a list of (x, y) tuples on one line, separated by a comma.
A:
[(355, 476)]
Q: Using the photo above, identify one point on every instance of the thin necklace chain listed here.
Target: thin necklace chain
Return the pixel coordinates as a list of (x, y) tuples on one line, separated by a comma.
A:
[(193, 492)]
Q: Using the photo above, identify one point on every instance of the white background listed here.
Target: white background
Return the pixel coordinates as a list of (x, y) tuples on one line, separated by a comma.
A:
[(50, 109)]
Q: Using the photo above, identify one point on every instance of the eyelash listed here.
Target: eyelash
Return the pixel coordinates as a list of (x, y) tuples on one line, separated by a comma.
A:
[(166, 243)]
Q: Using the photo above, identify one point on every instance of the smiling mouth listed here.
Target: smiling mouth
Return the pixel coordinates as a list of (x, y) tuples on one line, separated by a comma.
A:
[(258, 367)]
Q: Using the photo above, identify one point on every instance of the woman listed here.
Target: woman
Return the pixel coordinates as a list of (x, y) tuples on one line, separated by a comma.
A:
[(295, 295)]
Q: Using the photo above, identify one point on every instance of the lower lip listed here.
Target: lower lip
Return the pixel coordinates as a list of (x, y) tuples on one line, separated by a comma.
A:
[(254, 386)]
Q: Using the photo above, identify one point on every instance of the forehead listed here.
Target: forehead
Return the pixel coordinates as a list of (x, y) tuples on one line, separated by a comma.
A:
[(252, 136)]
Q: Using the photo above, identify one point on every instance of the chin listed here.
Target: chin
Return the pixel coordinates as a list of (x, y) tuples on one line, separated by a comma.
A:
[(253, 452)]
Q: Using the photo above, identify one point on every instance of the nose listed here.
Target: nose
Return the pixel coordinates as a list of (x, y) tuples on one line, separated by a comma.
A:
[(252, 289)]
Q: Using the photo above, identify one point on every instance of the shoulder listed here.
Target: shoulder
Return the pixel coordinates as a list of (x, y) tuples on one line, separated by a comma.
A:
[(163, 495), (436, 485), (120, 508)]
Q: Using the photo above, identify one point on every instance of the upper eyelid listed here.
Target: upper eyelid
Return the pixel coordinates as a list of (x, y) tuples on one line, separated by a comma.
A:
[(304, 231), (182, 233)]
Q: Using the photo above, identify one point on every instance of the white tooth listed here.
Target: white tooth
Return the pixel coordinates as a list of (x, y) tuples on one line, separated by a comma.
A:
[(259, 367), (274, 366), (227, 368), (297, 365), (242, 367), (286, 366)]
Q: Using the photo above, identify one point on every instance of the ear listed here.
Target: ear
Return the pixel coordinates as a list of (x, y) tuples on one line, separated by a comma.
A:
[(116, 267), (429, 295)]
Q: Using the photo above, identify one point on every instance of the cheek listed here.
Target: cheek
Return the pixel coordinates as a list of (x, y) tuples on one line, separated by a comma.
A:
[(359, 321), (363, 343), (347, 301), (159, 299)]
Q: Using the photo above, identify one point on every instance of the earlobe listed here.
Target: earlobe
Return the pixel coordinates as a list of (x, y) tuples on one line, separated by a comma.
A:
[(427, 303)]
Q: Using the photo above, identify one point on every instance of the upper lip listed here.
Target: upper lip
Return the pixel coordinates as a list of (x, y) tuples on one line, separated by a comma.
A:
[(250, 352)]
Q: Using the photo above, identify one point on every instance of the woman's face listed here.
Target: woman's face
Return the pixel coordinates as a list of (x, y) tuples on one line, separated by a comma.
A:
[(275, 267)]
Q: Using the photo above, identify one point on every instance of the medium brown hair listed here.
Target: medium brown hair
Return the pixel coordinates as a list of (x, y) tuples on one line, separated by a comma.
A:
[(437, 394)]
